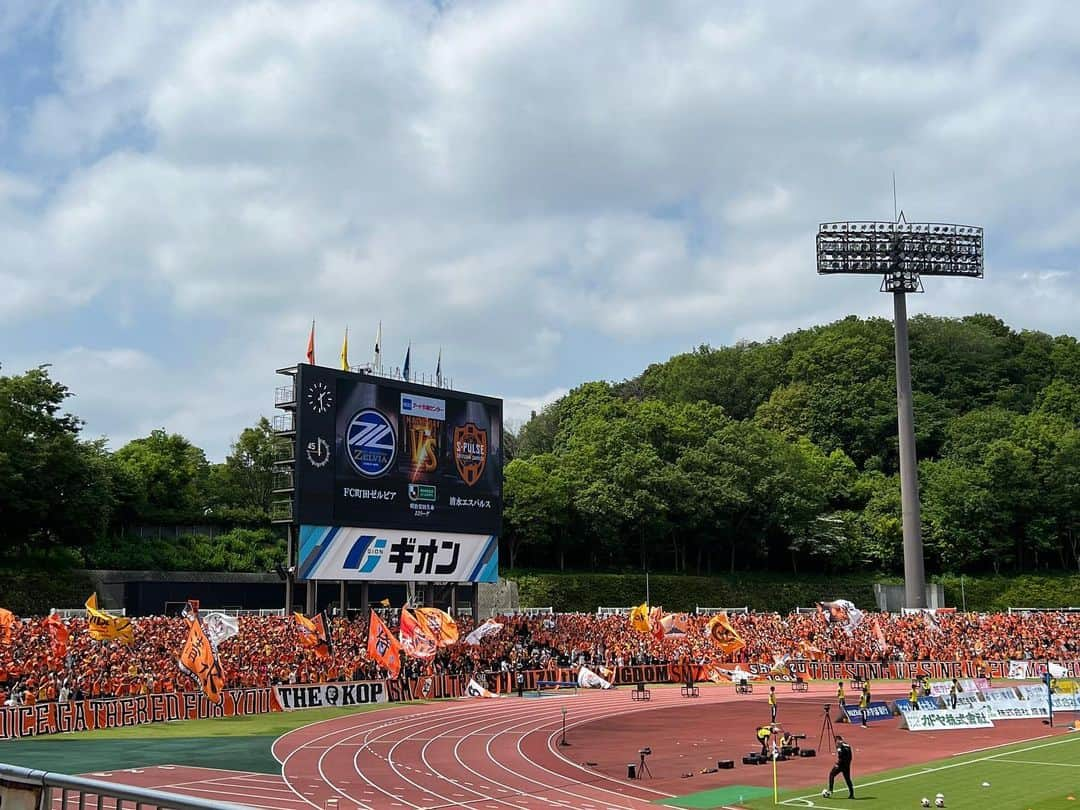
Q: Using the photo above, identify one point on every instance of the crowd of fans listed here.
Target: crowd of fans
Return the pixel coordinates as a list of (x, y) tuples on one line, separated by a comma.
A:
[(267, 651)]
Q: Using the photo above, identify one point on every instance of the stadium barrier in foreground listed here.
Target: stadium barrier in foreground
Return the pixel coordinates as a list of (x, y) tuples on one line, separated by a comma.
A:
[(29, 789)]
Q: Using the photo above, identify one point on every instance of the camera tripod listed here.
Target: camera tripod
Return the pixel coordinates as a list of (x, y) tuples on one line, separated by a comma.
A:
[(826, 725), (642, 767)]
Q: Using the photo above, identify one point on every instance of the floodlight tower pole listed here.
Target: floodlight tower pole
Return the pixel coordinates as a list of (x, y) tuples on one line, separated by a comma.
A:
[(914, 565), (903, 252)]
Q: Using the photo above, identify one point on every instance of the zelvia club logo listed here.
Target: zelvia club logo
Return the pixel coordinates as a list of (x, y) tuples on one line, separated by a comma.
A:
[(371, 443), (365, 553)]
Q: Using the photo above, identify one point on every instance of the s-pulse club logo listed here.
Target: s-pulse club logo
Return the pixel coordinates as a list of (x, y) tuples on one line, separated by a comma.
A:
[(371, 443), (365, 553), (470, 452)]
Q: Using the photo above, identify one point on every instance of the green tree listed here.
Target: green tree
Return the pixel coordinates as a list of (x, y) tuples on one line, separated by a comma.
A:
[(243, 485), (54, 488), (170, 477)]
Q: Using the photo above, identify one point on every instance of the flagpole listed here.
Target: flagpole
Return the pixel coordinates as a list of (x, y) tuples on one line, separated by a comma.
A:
[(647, 602), (775, 784)]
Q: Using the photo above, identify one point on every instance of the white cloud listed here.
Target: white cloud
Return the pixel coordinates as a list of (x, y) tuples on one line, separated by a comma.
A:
[(515, 182)]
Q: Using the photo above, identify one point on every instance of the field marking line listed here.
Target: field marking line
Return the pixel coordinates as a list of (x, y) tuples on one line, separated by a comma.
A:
[(951, 765), (992, 747), (1033, 762)]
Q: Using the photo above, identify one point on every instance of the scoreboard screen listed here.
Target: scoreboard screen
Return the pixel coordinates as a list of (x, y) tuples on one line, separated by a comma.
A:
[(395, 481), (386, 453)]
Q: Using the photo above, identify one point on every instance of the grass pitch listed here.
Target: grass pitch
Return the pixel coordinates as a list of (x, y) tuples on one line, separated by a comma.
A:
[(1036, 775)]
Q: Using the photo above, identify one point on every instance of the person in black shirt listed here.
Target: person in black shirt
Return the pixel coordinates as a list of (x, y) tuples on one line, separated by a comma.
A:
[(842, 766)]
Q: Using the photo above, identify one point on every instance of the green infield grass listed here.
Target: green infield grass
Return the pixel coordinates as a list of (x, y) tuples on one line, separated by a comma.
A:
[(241, 742), (1035, 775)]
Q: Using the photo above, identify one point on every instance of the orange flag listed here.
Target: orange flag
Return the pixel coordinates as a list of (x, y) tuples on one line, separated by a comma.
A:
[(439, 624), (311, 345), (7, 619), (58, 633), (723, 634), (198, 660), (315, 634), (656, 623), (383, 647), (415, 637)]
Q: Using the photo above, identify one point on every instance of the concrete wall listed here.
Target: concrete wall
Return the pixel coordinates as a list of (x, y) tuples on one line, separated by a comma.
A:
[(891, 597), (144, 592)]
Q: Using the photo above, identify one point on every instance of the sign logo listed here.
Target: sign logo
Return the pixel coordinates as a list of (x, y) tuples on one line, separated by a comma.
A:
[(319, 397), (318, 453), (470, 452), (365, 553), (371, 443), (415, 405), (421, 492)]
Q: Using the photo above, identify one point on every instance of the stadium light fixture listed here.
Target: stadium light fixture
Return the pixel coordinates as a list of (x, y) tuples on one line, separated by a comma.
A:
[(902, 253)]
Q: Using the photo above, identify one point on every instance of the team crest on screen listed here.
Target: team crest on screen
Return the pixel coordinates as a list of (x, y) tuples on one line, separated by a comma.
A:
[(470, 452), (371, 443)]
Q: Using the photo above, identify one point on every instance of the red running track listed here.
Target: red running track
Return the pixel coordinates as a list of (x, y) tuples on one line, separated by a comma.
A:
[(500, 753), (505, 753)]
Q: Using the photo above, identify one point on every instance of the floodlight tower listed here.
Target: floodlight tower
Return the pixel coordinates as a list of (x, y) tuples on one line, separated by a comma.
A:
[(902, 252)]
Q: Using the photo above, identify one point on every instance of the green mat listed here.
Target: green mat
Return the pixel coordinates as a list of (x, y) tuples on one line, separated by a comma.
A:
[(718, 797)]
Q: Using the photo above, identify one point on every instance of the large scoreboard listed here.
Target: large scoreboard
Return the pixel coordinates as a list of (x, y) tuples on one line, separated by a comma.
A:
[(395, 481)]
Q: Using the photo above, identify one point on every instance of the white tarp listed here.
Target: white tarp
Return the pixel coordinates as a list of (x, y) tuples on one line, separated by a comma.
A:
[(590, 680), (475, 690)]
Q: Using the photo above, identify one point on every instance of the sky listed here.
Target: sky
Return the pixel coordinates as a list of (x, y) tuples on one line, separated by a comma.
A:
[(549, 192)]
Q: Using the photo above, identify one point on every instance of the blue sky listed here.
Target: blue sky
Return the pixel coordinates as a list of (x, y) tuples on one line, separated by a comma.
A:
[(551, 192)]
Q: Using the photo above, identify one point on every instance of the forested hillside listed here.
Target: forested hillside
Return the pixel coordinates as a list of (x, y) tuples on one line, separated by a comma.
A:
[(777, 456), (154, 503), (782, 455)]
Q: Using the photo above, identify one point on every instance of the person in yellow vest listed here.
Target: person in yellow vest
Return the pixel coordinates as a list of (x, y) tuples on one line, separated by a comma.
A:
[(913, 696), (864, 703), (772, 704), (763, 735), (841, 695)]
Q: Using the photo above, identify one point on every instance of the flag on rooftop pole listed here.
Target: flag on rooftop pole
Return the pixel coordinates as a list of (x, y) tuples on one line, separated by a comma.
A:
[(377, 365), (345, 351), (438, 369), (405, 368), (311, 345)]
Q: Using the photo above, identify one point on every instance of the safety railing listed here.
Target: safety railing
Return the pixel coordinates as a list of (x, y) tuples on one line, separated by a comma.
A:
[(29, 789)]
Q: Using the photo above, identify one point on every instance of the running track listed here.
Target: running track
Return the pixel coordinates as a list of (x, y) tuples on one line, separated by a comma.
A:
[(482, 754), (504, 753)]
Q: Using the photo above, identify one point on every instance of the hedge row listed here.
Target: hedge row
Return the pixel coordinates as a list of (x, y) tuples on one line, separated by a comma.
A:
[(33, 592), (1027, 590), (585, 592)]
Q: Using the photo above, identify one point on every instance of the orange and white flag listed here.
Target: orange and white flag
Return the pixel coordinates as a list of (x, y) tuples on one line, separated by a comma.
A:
[(415, 637), (315, 634), (723, 634), (383, 647), (197, 659), (7, 621), (440, 625)]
